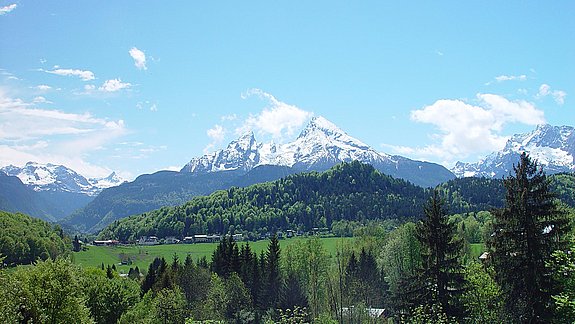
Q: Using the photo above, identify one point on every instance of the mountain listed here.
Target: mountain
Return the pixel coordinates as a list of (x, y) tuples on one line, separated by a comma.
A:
[(15, 196), (244, 162), (320, 146), (58, 178), (552, 146), (147, 192), (348, 191), (58, 190)]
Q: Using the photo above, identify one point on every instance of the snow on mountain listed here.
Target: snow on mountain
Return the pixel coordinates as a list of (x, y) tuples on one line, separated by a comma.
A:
[(319, 146), (552, 146), (110, 181), (321, 142), (58, 178)]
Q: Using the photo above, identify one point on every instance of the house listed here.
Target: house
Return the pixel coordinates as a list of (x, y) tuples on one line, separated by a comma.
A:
[(148, 240), (106, 243), (372, 312), (171, 240), (188, 239), (238, 237)]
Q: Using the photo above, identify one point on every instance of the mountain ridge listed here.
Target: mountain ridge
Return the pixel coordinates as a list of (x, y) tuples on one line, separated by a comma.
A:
[(320, 145), (552, 146)]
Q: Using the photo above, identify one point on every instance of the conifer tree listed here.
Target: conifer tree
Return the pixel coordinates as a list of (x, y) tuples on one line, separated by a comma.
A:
[(440, 282), (526, 232), (272, 276)]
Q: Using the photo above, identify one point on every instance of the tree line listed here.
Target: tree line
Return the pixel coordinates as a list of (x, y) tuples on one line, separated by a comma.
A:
[(352, 192)]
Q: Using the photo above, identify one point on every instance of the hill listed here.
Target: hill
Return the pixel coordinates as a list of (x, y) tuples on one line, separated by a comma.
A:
[(24, 239), (353, 191)]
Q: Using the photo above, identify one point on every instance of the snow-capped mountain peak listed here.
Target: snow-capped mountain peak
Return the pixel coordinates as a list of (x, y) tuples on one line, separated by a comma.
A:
[(552, 146), (58, 178), (110, 181), (320, 145)]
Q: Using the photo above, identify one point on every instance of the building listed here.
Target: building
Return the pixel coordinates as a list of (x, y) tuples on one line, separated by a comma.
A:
[(148, 240), (106, 243)]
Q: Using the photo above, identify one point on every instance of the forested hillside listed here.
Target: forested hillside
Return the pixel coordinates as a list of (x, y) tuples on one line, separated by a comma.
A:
[(24, 239), (352, 191)]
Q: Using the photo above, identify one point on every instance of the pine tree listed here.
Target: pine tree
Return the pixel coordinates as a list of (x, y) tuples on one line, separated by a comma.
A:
[(272, 276), (440, 282), (526, 232)]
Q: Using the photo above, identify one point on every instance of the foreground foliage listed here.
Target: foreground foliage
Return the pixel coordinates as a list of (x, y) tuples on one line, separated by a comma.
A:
[(527, 231)]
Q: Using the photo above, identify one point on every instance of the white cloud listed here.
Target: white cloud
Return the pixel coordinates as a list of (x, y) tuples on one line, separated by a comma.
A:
[(114, 85), (7, 9), (154, 107), (139, 58), (502, 78), (43, 87), (40, 99), (216, 135), (28, 133), (278, 119), (84, 75), (466, 129), (231, 117), (558, 95)]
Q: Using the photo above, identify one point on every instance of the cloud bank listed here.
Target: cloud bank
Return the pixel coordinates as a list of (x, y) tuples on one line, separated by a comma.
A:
[(465, 129), (29, 133)]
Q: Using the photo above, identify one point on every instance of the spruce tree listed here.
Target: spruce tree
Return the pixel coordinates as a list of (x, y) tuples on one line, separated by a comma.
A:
[(440, 282), (272, 276), (526, 232)]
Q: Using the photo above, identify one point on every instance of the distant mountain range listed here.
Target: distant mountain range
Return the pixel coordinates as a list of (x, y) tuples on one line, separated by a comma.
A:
[(58, 178), (48, 191), (91, 204), (552, 146)]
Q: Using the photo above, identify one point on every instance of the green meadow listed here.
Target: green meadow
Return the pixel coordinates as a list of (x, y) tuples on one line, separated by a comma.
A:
[(142, 256)]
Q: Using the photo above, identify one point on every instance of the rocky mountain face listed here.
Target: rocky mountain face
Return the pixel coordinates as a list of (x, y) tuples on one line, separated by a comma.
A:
[(552, 146), (319, 146), (58, 178)]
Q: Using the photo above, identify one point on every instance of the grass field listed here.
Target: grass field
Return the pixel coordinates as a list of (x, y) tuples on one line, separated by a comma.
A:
[(142, 256)]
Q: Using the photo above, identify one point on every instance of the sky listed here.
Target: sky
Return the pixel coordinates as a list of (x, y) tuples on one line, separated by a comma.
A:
[(140, 86)]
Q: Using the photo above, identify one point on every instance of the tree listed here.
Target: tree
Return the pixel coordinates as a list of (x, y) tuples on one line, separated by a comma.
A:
[(272, 279), (76, 245), (51, 290), (562, 265), (108, 298), (482, 298), (526, 232), (440, 282)]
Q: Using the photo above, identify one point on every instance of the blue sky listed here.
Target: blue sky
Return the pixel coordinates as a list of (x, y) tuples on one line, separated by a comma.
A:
[(137, 86)]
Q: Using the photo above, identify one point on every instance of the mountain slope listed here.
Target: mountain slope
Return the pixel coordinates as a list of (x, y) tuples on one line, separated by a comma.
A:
[(353, 191), (320, 146), (552, 146), (17, 197)]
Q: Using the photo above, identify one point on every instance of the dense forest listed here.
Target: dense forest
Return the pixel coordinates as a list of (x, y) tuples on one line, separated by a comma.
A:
[(349, 191), (24, 239)]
